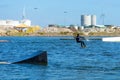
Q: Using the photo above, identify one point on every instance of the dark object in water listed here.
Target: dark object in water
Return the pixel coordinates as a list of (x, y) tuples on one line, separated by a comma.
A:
[(40, 57), (67, 39)]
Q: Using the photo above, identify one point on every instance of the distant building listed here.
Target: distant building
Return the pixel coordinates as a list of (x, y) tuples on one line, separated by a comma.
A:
[(93, 20), (2, 22), (85, 20), (88, 20), (14, 22), (26, 22), (53, 25)]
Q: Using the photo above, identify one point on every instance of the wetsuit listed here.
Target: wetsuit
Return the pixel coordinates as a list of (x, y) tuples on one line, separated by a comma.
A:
[(79, 39)]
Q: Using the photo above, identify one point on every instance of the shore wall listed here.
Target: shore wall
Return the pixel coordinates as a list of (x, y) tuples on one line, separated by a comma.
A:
[(54, 31)]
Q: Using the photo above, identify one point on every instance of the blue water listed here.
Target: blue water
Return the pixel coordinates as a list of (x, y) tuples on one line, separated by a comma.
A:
[(66, 59)]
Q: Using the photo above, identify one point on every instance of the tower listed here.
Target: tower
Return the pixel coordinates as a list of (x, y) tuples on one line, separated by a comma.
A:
[(24, 13), (88, 20), (93, 20), (103, 18), (85, 20)]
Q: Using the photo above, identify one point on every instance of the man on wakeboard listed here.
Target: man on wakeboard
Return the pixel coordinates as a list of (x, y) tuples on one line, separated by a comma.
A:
[(79, 39)]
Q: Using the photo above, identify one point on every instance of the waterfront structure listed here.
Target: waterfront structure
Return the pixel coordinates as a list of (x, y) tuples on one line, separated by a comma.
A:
[(88, 20), (111, 39), (2, 22), (93, 20), (13, 23), (21, 27), (85, 20), (26, 22)]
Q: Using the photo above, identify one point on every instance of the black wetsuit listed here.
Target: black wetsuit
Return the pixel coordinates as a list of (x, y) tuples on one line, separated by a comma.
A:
[(79, 39)]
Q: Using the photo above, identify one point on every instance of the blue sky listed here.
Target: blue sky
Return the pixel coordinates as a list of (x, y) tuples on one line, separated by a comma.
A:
[(44, 12)]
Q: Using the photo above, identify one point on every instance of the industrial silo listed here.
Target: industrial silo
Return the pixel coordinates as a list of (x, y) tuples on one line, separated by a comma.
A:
[(93, 20), (85, 20)]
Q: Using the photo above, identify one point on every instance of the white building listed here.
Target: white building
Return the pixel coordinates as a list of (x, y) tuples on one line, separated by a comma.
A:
[(93, 20), (14, 22), (85, 20), (27, 22), (88, 20), (2, 22)]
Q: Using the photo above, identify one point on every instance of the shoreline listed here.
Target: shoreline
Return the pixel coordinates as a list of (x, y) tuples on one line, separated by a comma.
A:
[(54, 31)]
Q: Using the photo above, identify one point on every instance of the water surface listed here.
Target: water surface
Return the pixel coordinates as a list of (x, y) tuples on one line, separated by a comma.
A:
[(66, 59)]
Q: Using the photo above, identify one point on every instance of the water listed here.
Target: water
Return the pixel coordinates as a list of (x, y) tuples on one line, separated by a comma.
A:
[(66, 59)]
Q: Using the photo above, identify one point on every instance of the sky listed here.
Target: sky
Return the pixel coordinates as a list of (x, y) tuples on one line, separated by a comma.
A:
[(61, 12)]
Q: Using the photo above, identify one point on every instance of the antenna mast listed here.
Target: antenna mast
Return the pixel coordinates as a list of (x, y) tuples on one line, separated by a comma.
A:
[(103, 18), (24, 13)]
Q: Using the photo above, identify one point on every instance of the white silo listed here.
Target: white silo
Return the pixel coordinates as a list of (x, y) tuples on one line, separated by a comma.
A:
[(85, 20), (93, 20)]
